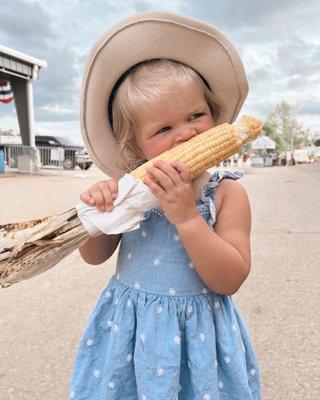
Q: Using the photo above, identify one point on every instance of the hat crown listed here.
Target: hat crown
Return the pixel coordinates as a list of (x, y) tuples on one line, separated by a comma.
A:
[(149, 35)]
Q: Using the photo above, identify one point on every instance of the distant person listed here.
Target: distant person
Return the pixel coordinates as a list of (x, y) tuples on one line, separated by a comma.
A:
[(236, 159), (245, 158)]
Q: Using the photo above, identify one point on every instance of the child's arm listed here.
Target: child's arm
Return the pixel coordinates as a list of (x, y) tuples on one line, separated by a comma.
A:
[(221, 257), (99, 249), (101, 195)]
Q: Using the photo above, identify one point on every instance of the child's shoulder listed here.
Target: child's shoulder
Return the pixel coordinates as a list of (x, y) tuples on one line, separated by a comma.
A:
[(228, 192)]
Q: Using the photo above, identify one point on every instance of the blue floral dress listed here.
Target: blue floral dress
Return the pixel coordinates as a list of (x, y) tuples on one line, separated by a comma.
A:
[(158, 332)]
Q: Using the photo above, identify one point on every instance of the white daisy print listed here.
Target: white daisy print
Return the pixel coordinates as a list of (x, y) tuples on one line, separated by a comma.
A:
[(108, 294), (142, 337), (159, 309), (144, 233), (156, 262), (220, 385), (115, 327), (216, 304), (191, 265), (129, 255), (252, 371), (234, 327), (227, 359), (129, 303), (204, 290), (129, 357), (144, 397), (137, 285), (96, 373), (172, 291), (176, 238), (206, 396), (89, 342), (116, 301), (189, 309), (109, 323), (111, 385), (177, 339), (160, 371), (202, 337)]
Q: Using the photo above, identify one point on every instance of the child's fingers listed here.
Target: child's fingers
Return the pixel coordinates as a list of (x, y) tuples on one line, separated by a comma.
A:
[(183, 170), (107, 200), (113, 185), (86, 198), (99, 197)]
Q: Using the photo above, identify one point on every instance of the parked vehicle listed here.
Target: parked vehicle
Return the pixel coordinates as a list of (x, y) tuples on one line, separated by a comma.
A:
[(83, 159), (73, 154)]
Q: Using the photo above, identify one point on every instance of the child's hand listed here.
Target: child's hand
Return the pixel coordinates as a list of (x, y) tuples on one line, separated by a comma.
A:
[(101, 195), (173, 190)]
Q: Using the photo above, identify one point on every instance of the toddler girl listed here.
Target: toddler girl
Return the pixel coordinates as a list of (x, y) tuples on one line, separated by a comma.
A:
[(166, 326)]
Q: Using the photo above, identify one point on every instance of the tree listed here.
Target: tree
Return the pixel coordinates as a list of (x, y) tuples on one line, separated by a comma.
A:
[(271, 132), (282, 126)]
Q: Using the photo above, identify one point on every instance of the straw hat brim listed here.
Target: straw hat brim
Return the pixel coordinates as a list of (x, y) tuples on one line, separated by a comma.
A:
[(147, 36)]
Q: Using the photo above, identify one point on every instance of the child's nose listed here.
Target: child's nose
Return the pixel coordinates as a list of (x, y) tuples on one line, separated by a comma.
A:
[(185, 134)]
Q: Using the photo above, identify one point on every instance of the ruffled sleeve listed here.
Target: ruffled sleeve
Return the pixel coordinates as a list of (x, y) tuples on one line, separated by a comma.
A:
[(208, 191)]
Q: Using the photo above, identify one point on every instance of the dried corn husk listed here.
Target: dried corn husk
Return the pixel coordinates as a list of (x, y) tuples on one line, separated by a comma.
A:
[(30, 248)]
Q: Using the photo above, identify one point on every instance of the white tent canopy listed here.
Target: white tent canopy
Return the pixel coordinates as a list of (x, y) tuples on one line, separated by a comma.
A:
[(263, 142)]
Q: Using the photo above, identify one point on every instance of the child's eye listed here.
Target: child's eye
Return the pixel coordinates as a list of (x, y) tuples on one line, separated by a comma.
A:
[(198, 115), (164, 129)]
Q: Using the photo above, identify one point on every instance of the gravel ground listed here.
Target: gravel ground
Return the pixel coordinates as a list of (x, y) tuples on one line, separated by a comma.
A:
[(42, 320)]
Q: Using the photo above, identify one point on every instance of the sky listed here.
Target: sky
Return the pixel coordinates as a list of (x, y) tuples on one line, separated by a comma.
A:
[(278, 41)]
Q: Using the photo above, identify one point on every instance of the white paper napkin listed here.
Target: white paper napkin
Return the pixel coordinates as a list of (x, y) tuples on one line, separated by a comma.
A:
[(133, 200)]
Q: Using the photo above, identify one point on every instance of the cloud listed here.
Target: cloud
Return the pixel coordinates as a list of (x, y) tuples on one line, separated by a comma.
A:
[(276, 39), (19, 30), (56, 112), (59, 82), (310, 106), (298, 57)]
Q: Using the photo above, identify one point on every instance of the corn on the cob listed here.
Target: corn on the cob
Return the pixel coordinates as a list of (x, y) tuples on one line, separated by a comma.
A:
[(30, 248), (208, 148)]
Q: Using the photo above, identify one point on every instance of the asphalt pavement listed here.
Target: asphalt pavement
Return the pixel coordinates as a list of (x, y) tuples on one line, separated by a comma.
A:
[(42, 319)]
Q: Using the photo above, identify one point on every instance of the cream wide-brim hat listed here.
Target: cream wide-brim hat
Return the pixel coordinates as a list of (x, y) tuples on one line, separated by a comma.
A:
[(146, 36)]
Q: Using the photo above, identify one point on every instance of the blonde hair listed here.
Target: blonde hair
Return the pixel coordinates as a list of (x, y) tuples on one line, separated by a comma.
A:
[(143, 83)]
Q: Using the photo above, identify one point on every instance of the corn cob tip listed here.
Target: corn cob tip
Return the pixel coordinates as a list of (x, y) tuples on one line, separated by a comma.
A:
[(248, 128), (254, 123)]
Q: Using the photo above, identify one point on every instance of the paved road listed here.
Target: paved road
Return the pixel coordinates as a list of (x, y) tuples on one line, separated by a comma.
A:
[(41, 320)]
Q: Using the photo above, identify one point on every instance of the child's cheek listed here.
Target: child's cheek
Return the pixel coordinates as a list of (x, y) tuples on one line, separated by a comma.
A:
[(159, 147)]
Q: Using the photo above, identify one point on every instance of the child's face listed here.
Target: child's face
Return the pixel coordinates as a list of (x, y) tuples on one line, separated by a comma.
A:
[(171, 120)]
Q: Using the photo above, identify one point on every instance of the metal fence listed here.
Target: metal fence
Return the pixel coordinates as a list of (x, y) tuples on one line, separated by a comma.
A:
[(34, 160), (51, 158)]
